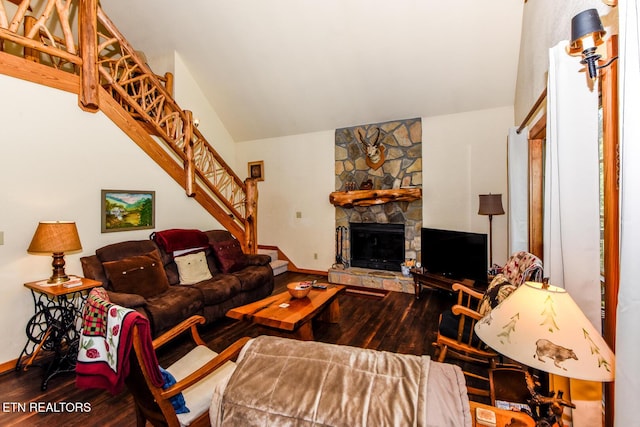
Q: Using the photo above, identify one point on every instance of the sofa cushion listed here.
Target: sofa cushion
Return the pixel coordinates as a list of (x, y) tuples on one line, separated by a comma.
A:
[(218, 235), (171, 268), (126, 249), (229, 255), (221, 288), (141, 274), (173, 306), (254, 276), (192, 268)]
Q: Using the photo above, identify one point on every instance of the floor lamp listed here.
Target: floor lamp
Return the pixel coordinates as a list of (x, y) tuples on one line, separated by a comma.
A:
[(490, 204)]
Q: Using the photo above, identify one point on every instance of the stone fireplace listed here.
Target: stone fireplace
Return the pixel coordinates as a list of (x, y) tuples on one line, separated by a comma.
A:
[(386, 199), (377, 246)]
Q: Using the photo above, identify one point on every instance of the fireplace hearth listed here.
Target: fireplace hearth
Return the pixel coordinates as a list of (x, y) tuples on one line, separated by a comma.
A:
[(377, 246)]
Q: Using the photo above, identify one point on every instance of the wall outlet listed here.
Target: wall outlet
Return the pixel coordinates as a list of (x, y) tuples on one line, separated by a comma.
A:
[(298, 214), (1, 237), (315, 256)]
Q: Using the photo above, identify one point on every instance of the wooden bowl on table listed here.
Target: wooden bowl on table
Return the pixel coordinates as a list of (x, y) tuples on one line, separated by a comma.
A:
[(299, 289)]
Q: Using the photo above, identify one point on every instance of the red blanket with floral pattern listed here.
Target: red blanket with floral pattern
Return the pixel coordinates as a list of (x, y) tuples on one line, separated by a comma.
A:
[(106, 343)]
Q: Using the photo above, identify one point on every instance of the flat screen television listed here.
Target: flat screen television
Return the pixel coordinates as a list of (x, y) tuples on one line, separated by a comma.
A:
[(455, 254)]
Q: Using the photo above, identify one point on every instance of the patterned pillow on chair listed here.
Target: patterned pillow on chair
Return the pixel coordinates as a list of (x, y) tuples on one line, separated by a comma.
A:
[(523, 266), (498, 290)]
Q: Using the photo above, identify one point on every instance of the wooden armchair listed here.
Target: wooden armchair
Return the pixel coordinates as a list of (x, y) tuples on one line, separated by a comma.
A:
[(196, 373), (455, 335)]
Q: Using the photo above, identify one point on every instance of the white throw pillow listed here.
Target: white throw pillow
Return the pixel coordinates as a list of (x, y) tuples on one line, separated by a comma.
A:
[(193, 268)]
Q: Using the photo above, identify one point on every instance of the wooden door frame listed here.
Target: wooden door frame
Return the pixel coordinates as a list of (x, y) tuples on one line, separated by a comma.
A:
[(611, 169), (537, 137)]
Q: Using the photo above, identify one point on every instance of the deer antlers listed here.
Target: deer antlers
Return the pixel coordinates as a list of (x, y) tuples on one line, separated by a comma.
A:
[(372, 146)]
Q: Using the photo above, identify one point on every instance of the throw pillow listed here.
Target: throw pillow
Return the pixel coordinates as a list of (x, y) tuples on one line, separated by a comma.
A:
[(498, 290), (177, 401), (193, 268), (142, 275), (229, 255)]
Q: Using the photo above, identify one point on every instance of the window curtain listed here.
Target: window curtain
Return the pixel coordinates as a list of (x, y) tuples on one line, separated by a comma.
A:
[(571, 213), (518, 173), (627, 386)]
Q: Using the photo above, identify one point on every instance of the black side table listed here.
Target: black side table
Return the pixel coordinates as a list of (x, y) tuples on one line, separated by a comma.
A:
[(54, 326), (422, 277)]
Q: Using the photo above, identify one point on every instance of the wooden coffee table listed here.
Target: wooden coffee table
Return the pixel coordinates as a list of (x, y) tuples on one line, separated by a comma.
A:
[(297, 317)]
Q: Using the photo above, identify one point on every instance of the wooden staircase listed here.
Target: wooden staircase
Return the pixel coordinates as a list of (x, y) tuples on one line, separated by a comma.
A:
[(108, 75)]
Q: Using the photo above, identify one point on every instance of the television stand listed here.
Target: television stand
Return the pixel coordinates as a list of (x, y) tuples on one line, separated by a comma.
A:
[(422, 278)]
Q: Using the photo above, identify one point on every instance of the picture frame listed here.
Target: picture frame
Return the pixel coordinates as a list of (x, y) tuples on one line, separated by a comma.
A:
[(256, 170), (127, 210)]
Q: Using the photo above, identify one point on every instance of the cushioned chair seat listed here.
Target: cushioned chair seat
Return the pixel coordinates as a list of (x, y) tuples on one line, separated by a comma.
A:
[(198, 397)]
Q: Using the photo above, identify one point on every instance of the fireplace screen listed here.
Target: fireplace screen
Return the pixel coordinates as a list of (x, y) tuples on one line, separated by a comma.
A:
[(377, 246)]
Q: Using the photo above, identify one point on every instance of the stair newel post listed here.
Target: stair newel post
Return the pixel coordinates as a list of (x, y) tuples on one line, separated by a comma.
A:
[(30, 53), (88, 41), (189, 169), (251, 216)]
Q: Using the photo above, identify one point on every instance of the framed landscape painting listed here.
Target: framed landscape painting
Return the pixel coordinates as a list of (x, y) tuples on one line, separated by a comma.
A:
[(124, 210)]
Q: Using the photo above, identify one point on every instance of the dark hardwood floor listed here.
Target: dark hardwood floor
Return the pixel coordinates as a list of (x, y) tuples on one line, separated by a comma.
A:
[(396, 323)]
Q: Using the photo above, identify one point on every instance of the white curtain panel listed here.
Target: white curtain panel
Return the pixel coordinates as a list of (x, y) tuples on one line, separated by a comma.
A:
[(572, 223), (518, 173), (627, 387), (571, 213)]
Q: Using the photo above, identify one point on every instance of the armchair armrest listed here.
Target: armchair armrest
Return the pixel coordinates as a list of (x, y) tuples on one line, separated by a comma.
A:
[(458, 309), (185, 325), (227, 354), (459, 287)]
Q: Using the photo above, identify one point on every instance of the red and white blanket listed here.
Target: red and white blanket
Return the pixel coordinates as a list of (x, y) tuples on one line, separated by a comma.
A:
[(106, 344)]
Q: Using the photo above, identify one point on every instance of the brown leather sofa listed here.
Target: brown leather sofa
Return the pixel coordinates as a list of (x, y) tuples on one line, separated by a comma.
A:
[(144, 275)]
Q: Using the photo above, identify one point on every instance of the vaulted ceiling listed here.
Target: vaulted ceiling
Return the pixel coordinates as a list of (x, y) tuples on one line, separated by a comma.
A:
[(281, 67)]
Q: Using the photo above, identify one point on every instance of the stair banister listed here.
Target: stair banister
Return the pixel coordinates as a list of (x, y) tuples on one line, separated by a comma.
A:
[(133, 88)]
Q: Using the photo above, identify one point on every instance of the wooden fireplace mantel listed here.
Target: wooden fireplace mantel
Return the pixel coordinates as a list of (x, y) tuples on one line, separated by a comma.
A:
[(349, 199)]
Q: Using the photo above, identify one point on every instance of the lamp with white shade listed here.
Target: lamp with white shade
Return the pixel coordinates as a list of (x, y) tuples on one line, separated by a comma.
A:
[(541, 326)]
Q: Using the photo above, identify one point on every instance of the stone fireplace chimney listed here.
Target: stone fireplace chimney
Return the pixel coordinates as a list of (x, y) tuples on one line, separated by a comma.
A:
[(401, 141)]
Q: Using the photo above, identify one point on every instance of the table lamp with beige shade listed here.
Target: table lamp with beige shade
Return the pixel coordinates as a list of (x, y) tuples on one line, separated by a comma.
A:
[(56, 238)]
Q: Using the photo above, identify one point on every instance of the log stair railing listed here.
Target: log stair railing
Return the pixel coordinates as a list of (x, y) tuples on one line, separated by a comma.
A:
[(38, 43)]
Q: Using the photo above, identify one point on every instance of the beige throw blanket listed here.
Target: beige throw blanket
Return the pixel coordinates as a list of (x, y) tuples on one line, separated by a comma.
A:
[(283, 382)]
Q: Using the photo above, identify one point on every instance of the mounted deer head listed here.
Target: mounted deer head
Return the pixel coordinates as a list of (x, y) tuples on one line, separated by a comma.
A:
[(372, 146)]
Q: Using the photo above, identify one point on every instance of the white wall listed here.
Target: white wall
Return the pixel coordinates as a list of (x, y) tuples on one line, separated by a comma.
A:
[(189, 96), (55, 160), (299, 175), (463, 155)]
